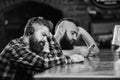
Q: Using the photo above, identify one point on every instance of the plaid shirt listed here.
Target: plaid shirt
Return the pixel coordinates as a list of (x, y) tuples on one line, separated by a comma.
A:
[(18, 62)]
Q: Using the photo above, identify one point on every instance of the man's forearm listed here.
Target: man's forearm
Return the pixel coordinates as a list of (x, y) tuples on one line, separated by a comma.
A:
[(68, 52), (88, 39)]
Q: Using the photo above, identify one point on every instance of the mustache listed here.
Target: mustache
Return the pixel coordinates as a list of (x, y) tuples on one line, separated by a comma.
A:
[(42, 43), (67, 39), (73, 41)]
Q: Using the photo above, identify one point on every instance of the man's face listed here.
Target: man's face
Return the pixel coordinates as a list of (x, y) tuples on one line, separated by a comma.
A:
[(38, 39), (71, 31)]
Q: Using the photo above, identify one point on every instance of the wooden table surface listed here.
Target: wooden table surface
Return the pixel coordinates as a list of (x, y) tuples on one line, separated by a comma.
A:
[(93, 68)]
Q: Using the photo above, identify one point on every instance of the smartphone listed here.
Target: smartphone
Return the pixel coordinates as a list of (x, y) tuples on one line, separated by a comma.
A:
[(91, 47)]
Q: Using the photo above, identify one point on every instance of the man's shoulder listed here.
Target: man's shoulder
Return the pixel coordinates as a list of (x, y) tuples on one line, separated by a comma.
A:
[(14, 41), (17, 41)]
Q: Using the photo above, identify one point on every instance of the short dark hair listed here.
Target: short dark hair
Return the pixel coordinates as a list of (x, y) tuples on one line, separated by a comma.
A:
[(67, 19), (29, 30)]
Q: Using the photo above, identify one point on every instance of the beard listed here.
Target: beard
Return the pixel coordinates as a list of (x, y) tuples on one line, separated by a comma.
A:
[(35, 45), (66, 43)]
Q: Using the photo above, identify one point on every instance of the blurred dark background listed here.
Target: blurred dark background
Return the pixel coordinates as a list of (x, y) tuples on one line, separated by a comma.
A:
[(96, 16)]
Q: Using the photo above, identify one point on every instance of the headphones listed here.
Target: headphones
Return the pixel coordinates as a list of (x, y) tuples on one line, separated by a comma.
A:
[(29, 31)]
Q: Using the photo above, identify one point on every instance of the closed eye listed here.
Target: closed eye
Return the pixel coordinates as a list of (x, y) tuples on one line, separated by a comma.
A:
[(44, 34), (73, 32)]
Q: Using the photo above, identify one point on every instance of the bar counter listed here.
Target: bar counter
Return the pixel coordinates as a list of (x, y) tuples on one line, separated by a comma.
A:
[(92, 68)]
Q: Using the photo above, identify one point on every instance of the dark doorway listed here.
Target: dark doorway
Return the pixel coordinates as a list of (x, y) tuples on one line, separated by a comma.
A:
[(16, 18)]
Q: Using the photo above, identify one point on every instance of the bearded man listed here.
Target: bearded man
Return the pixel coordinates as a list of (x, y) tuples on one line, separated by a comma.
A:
[(35, 51), (70, 34)]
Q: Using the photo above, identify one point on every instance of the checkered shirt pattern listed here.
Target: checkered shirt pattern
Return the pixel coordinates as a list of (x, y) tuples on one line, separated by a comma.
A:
[(18, 62)]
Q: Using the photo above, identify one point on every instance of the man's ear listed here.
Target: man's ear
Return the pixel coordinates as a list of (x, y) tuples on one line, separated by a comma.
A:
[(61, 30)]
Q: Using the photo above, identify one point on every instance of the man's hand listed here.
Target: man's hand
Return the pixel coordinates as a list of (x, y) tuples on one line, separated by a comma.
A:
[(47, 41), (46, 47), (82, 50), (77, 58)]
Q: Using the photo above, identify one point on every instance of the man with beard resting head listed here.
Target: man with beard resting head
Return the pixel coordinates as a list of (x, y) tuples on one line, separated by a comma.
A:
[(69, 34), (35, 51)]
